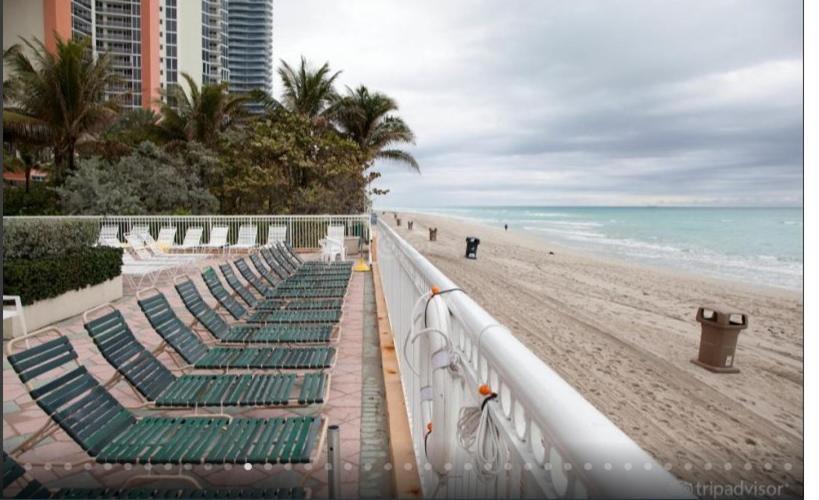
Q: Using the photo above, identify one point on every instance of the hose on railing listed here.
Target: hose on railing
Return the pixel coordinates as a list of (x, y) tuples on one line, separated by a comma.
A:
[(476, 426)]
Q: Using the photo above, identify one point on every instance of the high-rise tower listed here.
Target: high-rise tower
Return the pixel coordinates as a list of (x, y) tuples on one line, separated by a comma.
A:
[(250, 45)]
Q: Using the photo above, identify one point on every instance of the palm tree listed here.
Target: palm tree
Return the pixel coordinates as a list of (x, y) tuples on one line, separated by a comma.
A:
[(58, 96), (309, 92), (369, 120), (200, 114)]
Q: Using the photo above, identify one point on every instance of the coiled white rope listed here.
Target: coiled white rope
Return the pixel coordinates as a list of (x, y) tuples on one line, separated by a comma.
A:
[(477, 427)]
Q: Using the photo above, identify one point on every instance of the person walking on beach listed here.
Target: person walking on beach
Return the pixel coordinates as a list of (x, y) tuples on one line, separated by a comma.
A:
[(506, 227)]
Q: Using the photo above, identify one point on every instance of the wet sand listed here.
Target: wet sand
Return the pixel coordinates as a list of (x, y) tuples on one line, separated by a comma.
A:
[(623, 335)]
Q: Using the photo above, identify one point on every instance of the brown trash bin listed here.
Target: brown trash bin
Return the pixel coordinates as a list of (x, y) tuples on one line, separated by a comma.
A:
[(398, 222), (433, 234), (718, 340)]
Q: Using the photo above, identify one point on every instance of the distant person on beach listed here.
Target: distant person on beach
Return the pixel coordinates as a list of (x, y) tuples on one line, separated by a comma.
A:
[(506, 227)]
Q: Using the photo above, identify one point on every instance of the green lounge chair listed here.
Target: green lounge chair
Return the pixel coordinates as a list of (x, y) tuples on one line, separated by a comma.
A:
[(224, 297), (116, 340), (251, 278), (282, 271), (283, 263), (242, 291), (110, 433), (158, 384), (12, 472), (248, 334), (300, 316), (263, 270)]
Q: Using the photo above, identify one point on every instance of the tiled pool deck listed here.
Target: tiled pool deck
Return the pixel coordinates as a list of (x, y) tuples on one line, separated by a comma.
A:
[(355, 404)]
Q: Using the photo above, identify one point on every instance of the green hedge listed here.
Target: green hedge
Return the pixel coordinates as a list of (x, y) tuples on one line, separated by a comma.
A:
[(33, 238), (47, 277)]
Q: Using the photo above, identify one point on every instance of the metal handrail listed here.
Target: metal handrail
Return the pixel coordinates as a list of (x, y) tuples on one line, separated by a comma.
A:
[(537, 404)]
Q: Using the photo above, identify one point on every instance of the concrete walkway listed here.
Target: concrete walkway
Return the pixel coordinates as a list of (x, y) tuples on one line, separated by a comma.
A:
[(355, 404)]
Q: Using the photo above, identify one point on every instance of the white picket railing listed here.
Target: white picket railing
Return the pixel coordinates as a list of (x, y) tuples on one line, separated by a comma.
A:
[(559, 444), (303, 231)]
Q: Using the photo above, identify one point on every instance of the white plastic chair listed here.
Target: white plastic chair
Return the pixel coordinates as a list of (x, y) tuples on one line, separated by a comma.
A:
[(246, 238), (140, 230), (333, 244), (276, 234), (193, 238), (109, 236), (166, 237), (16, 314), (218, 238)]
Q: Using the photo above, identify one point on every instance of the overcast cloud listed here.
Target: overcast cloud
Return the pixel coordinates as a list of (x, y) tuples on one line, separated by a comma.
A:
[(574, 103)]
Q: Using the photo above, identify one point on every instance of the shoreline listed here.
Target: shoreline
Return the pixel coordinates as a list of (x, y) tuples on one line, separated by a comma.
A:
[(623, 334), (672, 272)]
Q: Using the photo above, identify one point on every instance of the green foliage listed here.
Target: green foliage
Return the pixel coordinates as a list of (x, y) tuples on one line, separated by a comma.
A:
[(147, 181), (283, 164), (61, 93), (41, 278), (369, 119), (200, 114), (32, 238), (39, 200), (309, 92)]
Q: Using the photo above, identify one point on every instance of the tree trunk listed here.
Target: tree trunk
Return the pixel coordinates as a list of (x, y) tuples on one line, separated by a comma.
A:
[(58, 166)]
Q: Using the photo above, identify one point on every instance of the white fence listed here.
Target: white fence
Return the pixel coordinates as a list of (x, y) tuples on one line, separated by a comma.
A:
[(303, 231), (559, 445)]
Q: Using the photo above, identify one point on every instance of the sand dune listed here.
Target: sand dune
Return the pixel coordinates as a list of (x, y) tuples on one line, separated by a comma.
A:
[(623, 335)]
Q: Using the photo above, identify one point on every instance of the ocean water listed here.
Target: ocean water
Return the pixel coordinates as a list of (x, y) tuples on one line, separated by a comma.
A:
[(754, 245)]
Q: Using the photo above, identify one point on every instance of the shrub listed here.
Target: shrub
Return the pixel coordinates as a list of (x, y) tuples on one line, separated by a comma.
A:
[(49, 276), (40, 200), (33, 238), (147, 181)]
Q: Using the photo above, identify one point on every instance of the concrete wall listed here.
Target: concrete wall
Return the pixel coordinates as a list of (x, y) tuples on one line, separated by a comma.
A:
[(46, 312), (150, 53), (189, 40)]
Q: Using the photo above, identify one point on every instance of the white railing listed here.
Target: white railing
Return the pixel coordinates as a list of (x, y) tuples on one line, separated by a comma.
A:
[(559, 444), (303, 231)]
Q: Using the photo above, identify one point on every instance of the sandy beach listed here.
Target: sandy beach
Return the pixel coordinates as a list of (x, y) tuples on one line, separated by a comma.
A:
[(623, 335)]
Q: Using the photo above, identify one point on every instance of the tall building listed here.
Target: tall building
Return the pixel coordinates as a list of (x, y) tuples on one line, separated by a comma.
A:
[(250, 45), (215, 41), (126, 29), (152, 42)]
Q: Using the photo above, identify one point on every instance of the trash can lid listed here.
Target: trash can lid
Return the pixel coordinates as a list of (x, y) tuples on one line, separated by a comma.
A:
[(722, 315)]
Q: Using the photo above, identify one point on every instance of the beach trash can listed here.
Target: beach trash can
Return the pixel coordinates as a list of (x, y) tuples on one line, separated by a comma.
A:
[(433, 234), (472, 247), (409, 225), (718, 339), (398, 222)]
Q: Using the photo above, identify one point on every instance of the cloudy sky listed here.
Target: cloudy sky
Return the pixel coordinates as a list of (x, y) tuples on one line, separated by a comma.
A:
[(574, 103)]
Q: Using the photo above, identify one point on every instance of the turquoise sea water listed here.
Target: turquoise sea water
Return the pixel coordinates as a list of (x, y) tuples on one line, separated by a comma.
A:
[(754, 245)]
